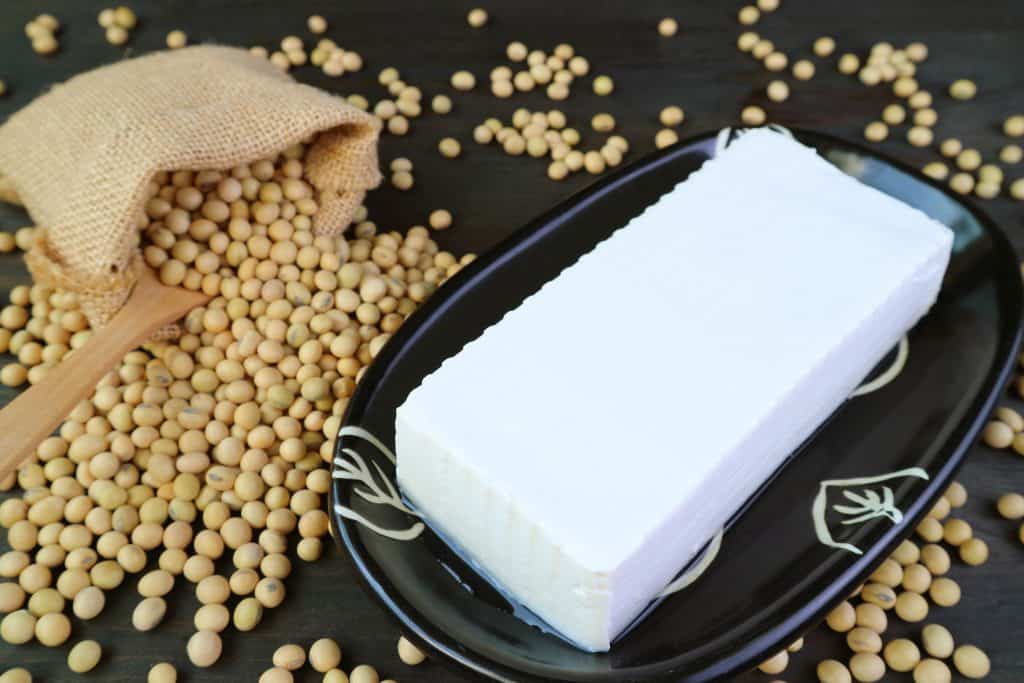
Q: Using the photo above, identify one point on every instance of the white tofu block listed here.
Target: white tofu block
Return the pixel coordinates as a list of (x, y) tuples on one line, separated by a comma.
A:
[(585, 447)]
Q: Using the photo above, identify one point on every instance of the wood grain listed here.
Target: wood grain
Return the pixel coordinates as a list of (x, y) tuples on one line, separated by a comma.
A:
[(491, 195), (37, 411)]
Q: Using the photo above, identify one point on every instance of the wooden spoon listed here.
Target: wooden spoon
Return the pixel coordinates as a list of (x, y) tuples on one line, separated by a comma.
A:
[(33, 415)]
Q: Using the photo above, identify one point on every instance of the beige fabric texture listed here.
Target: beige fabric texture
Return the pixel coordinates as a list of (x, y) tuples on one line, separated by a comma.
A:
[(80, 157)]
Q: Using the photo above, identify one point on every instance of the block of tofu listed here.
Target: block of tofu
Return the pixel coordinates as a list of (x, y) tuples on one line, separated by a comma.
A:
[(585, 447)]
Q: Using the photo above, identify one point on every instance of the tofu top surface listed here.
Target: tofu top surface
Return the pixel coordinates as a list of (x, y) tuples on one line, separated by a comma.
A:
[(612, 395)]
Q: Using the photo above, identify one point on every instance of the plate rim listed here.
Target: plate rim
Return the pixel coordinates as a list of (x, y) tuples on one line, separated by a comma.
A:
[(453, 654)]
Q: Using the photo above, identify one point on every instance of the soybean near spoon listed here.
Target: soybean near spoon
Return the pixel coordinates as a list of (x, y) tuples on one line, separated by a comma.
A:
[(35, 413)]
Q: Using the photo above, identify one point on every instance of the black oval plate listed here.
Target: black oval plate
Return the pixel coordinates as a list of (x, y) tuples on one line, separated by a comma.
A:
[(773, 578)]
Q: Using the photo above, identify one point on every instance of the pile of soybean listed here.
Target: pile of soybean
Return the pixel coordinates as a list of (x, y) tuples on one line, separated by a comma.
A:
[(216, 444)]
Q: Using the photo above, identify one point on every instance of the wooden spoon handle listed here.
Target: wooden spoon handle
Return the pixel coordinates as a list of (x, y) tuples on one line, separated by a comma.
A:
[(33, 415)]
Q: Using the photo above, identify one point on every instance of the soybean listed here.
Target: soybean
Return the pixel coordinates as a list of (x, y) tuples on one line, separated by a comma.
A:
[(204, 648), (324, 655), (84, 656), (937, 640), (971, 662)]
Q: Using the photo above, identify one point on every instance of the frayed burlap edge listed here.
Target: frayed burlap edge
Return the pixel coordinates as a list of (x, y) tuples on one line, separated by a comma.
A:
[(7, 192)]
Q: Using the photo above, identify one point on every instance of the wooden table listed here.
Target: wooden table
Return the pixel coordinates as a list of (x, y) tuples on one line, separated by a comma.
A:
[(492, 194)]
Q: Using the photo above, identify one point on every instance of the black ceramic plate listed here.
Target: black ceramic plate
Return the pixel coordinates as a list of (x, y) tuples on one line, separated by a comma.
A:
[(774, 577)]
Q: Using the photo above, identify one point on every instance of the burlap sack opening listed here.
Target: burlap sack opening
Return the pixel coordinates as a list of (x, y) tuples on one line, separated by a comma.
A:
[(81, 156)]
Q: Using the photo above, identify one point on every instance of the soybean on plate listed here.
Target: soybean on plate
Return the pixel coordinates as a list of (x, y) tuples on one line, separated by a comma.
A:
[(799, 546)]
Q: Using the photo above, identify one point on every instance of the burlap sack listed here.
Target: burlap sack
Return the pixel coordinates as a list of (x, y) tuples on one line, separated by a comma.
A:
[(80, 157)]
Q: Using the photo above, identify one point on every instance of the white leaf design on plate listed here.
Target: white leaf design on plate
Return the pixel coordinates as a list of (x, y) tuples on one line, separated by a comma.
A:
[(868, 504), (377, 487)]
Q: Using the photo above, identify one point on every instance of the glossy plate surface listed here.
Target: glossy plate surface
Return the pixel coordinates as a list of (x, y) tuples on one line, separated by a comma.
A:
[(773, 578)]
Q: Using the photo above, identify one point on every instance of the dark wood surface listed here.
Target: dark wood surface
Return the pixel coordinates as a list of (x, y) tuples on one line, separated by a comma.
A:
[(491, 195)]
